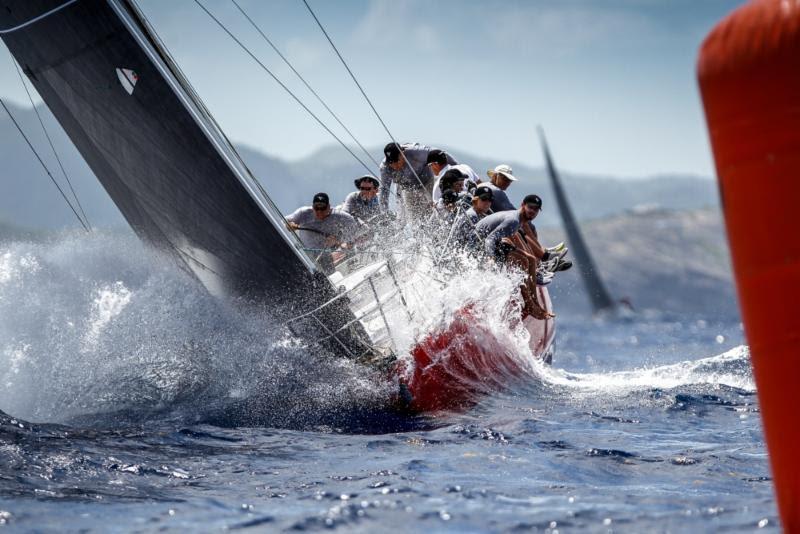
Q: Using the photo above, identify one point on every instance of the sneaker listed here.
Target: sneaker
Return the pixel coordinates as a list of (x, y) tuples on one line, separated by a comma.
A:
[(550, 265), (543, 278), (563, 265), (556, 248), (556, 265)]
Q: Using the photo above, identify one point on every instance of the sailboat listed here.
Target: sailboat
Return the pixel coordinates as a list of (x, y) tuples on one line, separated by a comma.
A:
[(184, 189)]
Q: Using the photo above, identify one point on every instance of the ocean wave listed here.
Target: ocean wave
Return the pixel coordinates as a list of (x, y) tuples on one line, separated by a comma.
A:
[(103, 325), (731, 369)]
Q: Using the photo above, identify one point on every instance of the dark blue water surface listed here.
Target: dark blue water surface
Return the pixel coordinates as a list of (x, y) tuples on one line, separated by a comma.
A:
[(131, 401)]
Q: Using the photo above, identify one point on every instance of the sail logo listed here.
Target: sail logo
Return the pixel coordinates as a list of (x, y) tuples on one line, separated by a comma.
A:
[(127, 78)]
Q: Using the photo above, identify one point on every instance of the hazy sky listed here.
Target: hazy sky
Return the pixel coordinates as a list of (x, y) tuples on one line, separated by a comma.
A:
[(612, 81)]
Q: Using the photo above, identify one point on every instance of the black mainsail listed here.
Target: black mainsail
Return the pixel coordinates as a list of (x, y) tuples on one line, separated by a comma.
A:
[(598, 294), (158, 152)]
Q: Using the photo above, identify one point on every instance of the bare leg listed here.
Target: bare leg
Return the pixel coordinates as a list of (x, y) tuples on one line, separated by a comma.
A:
[(530, 303)]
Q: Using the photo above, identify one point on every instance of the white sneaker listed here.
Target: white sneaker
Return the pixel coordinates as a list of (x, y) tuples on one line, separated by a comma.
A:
[(543, 278)]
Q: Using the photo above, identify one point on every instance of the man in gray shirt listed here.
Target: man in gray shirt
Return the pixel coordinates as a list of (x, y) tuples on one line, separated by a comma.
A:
[(322, 230), (510, 238), (363, 204), (414, 186), (501, 177), (497, 229)]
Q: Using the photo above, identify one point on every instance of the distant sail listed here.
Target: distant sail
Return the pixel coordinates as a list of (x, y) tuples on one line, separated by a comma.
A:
[(158, 152), (598, 294)]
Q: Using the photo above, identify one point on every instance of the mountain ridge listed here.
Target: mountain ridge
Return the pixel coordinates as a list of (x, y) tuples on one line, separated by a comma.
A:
[(29, 200)]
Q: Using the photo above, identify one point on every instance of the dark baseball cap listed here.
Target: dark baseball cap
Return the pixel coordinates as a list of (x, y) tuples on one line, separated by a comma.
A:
[(321, 198), (437, 156), (450, 177), (392, 152), (484, 193), (534, 200)]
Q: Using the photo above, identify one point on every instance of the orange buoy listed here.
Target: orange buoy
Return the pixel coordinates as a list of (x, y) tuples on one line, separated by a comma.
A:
[(749, 74)]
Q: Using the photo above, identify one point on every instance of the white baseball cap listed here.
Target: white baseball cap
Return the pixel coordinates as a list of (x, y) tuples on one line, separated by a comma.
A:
[(505, 170)]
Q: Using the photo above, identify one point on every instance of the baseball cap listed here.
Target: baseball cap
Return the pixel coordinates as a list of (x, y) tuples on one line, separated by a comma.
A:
[(483, 192), (321, 198), (505, 170), (437, 156), (533, 199), (451, 177), (392, 152)]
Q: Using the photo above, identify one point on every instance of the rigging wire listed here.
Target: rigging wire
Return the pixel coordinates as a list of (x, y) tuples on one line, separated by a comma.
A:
[(19, 129), (285, 88), (313, 92), (353, 76), (50, 141)]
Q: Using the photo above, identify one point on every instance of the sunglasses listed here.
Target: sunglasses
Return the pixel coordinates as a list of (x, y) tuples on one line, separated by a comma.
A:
[(367, 188), (320, 208), (533, 207)]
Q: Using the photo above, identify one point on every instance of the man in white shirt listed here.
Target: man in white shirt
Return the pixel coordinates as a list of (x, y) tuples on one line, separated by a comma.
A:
[(439, 163)]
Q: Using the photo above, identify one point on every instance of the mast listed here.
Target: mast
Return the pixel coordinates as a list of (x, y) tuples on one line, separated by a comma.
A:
[(598, 294)]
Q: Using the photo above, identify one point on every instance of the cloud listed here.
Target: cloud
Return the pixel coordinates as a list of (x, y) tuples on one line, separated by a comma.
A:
[(566, 27), (389, 24)]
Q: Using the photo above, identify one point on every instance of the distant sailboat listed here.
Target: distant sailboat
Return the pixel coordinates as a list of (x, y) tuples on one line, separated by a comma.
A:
[(598, 294)]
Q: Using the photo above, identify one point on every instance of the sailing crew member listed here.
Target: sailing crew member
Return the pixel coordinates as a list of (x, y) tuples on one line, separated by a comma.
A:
[(501, 227), (453, 180), (509, 238), (363, 204), (322, 230), (414, 187), (509, 226), (501, 178), (452, 203), (437, 161), (464, 226)]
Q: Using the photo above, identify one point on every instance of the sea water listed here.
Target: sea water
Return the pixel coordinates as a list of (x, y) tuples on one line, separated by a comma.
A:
[(130, 400)]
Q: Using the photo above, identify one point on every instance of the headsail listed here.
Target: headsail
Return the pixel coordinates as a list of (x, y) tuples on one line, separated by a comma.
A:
[(598, 294), (157, 151)]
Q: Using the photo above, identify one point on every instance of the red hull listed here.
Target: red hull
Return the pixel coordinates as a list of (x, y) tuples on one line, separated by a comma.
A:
[(454, 367)]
